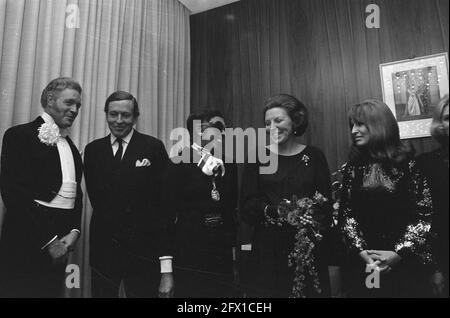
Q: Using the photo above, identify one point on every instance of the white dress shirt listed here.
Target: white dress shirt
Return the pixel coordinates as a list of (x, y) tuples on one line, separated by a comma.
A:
[(125, 142), (65, 199)]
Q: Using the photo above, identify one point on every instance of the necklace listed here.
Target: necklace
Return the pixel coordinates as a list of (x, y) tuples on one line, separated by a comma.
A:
[(215, 195)]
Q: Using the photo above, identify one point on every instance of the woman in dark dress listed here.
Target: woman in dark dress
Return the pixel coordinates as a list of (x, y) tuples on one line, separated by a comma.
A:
[(435, 167), (302, 170), (203, 208), (385, 209)]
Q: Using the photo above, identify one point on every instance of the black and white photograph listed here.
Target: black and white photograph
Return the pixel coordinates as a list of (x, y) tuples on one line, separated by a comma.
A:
[(412, 89), (226, 155)]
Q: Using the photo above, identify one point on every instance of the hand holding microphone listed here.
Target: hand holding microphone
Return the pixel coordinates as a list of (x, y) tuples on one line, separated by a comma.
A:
[(210, 165)]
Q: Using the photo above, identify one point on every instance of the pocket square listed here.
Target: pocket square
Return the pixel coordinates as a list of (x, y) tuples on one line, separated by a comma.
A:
[(144, 163)]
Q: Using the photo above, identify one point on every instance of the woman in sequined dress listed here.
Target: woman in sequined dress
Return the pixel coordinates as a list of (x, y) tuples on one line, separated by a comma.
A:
[(385, 209)]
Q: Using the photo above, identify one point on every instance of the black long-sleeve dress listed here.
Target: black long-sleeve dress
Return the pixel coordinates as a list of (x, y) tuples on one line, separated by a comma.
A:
[(385, 206), (434, 166), (204, 230), (268, 273)]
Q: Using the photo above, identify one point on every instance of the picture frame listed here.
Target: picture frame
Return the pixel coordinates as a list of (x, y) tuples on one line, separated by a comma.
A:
[(412, 89)]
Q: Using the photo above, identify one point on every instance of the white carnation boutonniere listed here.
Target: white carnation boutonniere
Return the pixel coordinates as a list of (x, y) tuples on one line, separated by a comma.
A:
[(49, 134)]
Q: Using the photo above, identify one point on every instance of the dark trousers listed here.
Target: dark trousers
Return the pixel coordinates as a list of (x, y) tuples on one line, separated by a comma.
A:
[(140, 285), (26, 271), (139, 275), (34, 281)]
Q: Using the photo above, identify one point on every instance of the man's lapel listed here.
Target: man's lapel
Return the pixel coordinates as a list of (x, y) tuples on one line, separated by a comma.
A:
[(133, 151), (76, 159), (106, 153)]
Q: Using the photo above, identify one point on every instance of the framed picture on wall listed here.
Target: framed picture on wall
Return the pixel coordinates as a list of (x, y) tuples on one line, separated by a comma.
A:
[(412, 90)]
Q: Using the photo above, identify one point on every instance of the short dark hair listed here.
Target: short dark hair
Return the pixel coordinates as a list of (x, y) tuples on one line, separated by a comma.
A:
[(295, 109), (210, 113), (122, 95), (58, 85)]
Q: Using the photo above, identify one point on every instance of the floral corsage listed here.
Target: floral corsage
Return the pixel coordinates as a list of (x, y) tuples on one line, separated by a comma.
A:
[(307, 215)]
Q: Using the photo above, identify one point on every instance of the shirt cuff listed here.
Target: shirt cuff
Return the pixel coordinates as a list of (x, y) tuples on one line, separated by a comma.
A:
[(166, 264), (246, 247), (50, 242)]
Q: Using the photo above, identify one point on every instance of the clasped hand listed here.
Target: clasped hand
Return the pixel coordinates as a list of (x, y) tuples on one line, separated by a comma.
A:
[(59, 249), (383, 261)]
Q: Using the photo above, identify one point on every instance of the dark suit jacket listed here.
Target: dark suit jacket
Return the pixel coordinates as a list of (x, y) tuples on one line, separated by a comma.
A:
[(32, 170), (198, 241), (126, 200)]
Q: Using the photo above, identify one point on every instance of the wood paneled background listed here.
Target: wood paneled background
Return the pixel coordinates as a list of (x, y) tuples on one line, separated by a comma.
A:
[(318, 50)]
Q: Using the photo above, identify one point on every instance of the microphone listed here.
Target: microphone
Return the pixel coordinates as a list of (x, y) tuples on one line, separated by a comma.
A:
[(210, 165)]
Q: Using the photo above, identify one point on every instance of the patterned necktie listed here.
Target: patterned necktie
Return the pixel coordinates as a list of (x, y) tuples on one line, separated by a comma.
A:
[(119, 152)]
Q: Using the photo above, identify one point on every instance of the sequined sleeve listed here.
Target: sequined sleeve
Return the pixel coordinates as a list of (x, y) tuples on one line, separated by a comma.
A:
[(348, 225), (416, 241)]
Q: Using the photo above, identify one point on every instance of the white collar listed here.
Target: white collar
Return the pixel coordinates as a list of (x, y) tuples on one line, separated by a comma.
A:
[(126, 139), (49, 120)]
